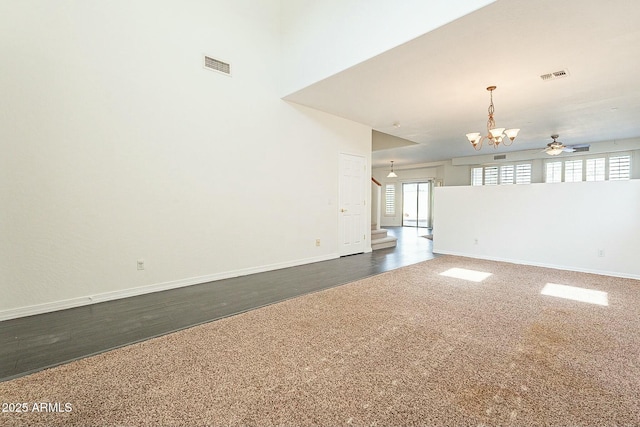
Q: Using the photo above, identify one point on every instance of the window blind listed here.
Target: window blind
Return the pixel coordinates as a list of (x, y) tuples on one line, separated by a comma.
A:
[(390, 199), (595, 170), (619, 168), (554, 172), (491, 175), (476, 176), (523, 173), (573, 171), (506, 174)]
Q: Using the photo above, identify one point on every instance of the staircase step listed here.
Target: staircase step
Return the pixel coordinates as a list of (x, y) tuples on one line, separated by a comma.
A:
[(386, 242), (378, 234)]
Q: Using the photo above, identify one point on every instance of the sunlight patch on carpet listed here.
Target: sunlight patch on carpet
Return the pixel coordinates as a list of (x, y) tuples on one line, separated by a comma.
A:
[(575, 293), (465, 274)]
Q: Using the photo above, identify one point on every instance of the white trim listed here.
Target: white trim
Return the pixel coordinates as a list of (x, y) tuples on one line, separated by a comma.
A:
[(379, 204), (32, 310), (541, 264)]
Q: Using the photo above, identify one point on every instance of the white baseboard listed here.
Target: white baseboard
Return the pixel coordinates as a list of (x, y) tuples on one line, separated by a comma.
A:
[(131, 292), (541, 264)]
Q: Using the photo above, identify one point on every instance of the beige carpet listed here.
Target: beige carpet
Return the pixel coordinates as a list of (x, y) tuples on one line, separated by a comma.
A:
[(408, 347)]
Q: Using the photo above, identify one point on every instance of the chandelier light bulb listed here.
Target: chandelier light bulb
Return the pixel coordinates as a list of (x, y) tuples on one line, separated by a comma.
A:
[(474, 138), (496, 133), (511, 133)]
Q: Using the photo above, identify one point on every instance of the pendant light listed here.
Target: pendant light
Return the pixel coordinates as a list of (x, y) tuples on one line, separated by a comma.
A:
[(392, 173)]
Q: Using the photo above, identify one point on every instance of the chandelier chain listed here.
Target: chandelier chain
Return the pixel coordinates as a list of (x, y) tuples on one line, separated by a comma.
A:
[(491, 123)]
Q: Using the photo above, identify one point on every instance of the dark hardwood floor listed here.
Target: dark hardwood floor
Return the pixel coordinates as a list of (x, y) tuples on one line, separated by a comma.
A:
[(33, 343)]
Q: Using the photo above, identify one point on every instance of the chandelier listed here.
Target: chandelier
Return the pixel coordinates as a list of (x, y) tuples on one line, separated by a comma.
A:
[(496, 136)]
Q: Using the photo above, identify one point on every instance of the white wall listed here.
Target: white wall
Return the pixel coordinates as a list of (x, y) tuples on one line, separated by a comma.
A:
[(561, 225), (117, 146), (456, 175), (326, 37)]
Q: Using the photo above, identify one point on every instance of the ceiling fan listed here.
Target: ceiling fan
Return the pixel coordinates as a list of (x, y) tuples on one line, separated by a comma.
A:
[(556, 147)]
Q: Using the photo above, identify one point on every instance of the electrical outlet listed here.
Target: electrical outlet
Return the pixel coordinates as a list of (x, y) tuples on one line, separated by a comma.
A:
[(600, 252), (140, 264), (317, 242), (475, 241)]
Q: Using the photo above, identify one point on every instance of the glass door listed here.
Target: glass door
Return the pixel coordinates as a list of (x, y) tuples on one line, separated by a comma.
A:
[(410, 205), (416, 204)]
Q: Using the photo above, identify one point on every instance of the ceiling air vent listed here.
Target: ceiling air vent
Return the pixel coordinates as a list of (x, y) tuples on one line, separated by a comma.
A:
[(555, 75), (500, 157), (579, 149), (217, 65)]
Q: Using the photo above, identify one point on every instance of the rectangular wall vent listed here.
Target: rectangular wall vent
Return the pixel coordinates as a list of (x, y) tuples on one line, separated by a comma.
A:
[(579, 149), (500, 157), (555, 75), (217, 65)]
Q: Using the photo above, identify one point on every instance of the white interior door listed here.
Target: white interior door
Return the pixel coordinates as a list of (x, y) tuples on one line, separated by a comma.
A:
[(352, 221)]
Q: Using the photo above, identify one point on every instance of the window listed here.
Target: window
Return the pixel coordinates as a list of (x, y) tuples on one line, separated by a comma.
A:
[(595, 170), (523, 173), (503, 175), (491, 175), (506, 174), (573, 171), (390, 199), (554, 172), (619, 167), (613, 167), (476, 176)]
